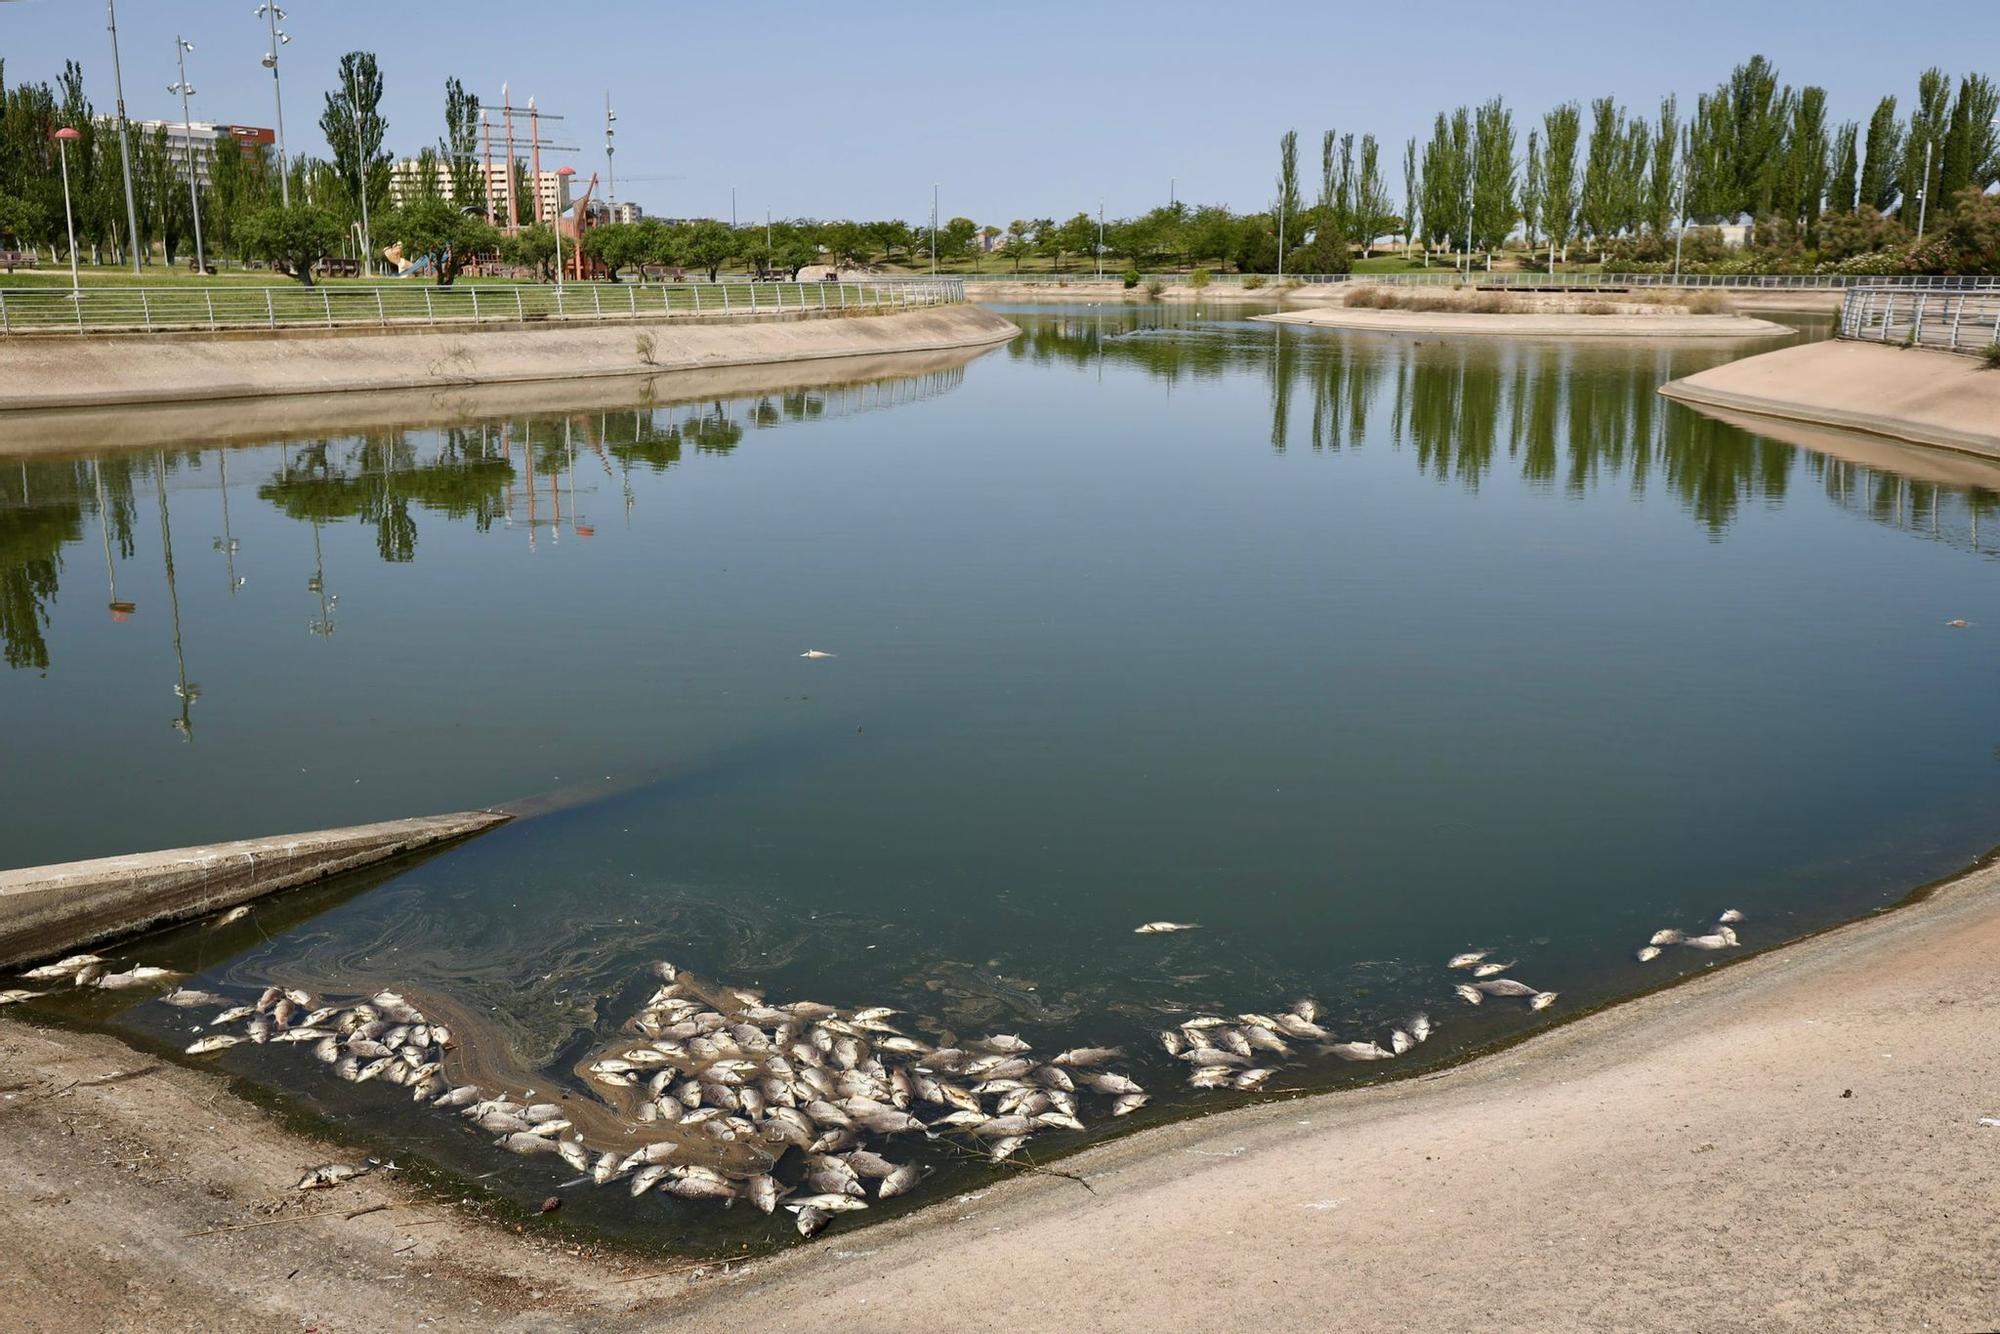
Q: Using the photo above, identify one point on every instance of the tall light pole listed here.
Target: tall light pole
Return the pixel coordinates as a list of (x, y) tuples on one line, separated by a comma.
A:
[(1924, 190), (562, 188), (934, 199), (124, 138), (181, 48), (270, 13), (64, 137), (361, 165), (610, 175), (1100, 238), (1471, 174)]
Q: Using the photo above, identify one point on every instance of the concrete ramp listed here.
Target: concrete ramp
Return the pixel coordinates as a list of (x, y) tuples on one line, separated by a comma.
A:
[(50, 910)]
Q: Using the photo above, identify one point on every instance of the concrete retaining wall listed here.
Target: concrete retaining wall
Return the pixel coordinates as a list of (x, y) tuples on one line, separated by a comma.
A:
[(1928, 398), (38, 373), (51, 910)]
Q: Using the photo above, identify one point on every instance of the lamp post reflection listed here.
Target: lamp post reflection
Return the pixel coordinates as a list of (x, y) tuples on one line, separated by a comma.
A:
[(119, 610), (322, 626), (226, 544), (184, 690)]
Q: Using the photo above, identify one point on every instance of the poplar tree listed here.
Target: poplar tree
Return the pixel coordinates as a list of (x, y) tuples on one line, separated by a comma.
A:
[(1598, 204), (460, 146), (1531, 190), (1926, 136), (1561, 128), (1285, 209), (1844, 185), (1883, 163), (1660, 174), (1410, 205), (1967, 157), (1493, 177)]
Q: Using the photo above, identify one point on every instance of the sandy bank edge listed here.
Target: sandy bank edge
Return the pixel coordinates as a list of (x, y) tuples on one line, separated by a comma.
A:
[(1913, 394), (1533, 326), (51, 373)]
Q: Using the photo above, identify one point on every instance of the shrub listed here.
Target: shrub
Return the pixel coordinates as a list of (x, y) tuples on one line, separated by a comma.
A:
[(1991, 356), (1154, 287), (1252, 281), (1199, 279), (1131, 279)]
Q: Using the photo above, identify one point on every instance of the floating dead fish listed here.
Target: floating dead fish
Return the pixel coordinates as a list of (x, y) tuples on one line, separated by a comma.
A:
[(15, 997), (1492, 969), (833, 1204), (202, 1046), (1718, 940), (1003, 1149), (1541, 1000), (1127, 1103), (763, 1192), (69, 967), (1730, 915), (810, 1220), (1648, 953), (1359, 1051), (646, 1178), (1470, 995), (1468, 960), (901, 1181), (133, 977), (235, 914), (1252, 1079), (1420, 1026), (1505, 986), (1667, 936), (183, 997), (1306, 1009), (1164, 928), (817, 653), (1210, 1077), (528, 1145)]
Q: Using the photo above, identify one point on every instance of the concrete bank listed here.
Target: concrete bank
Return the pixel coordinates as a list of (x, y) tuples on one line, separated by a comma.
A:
[(1913, 394), (1533, 326), (93, 430), (44, 372), (50, 910)]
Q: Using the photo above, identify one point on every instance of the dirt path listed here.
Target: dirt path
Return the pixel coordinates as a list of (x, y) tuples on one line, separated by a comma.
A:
[(1793, 1143)]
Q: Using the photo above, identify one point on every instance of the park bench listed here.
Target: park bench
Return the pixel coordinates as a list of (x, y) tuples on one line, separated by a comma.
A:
[(17, 259)]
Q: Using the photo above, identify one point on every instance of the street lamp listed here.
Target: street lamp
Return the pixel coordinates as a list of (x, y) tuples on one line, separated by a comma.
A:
[(934, 199), (1924, 191), (361, 165), (270, 13), (124, 139), (562, 188), (181, 48), (64, 137)]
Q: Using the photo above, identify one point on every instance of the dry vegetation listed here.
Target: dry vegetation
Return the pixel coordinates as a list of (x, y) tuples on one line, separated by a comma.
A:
[(1471, 301)]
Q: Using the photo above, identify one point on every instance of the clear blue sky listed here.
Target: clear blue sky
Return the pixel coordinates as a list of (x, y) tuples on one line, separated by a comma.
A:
[(1021, 109)]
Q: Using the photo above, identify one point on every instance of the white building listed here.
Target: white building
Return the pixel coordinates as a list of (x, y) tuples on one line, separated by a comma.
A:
[(201, 135), (627, 212), (551, 190)]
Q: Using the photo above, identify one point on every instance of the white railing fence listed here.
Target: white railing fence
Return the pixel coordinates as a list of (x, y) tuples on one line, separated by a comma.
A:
[(1445, 277), (218, 306), (1962, 319)]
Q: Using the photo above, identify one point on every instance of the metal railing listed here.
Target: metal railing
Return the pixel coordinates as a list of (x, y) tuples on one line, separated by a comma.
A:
[(39, 310), (1961, 319), (1444, 277)]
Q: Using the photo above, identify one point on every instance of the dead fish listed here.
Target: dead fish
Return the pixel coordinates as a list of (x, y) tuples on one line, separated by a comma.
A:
[(1112, 1083), (1164, 928), (1468, 960), (1210, 1077), (646, 1178), (1306, 1009), (1057, 1121), (1648, 953), (834, 1183), (1252, 1079), (1000, 1127), (1003, 1149), (1666, 936), (604, 1169), (87, 975), (327, 1049), (649, 1155), (1127, 1103), (1359, 1051), (810, 1220), (1007, 1043), (1200, 1056), (235, 914), (1730, 915), (1470, 995), (902, 1046), (332, 1174), (459, 1097), (833, 1204), (69, 967), (1400, 1042), (1541, 1000), (901, 1181), (817, 653), (16, 997), (1292, 1026), (301, 1035), (133, 977), (202, 1046), (183, 996), (1230, 1039), (1172, 1041), (574, 1154), (1718, 940), (526, 1144), (1420, 1026), (1492, 969), (1505, 986), (764, 1192)]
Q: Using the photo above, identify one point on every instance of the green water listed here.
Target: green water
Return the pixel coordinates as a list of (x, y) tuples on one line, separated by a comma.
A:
[(1355, 651)]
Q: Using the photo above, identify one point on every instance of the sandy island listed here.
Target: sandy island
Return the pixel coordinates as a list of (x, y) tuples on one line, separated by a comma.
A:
[(1793, 1142)]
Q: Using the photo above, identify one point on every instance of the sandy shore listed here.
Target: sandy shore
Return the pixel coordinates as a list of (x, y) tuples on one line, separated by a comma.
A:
[(1790, 1143), (1534, 326), (1913, 394)]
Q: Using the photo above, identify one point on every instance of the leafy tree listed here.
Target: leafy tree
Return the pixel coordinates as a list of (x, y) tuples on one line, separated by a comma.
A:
[(1285, 208), (955, 237), (1968, 156), (1493, 210), (1374, 211), (354, 129), (532, 248), (429, 226), (1927, 129), (1806, 165), (1598, 204), (460, 146), (1531, 190), (1561, 128), (1882, 166), (1410, 188), (705, 245), (1444, 181), (1659, 208), (889, 237), (847, 242), (618, 245), (296, 238), (1212, 233), (1843, 187)]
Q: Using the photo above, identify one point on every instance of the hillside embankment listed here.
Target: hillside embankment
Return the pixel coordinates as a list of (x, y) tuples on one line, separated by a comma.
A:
[(45, 371)]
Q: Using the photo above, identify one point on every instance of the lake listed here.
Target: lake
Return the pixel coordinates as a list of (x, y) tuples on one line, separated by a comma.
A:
[(1357, 652)]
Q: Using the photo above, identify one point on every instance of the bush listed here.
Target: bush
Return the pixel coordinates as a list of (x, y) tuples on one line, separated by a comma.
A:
[(1199, 279), (1154, 287), (1991, 356), (1131, 279), (1252, 281)]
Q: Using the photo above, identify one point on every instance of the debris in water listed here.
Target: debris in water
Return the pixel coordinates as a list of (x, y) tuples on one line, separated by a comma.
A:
[(1164, 928)]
